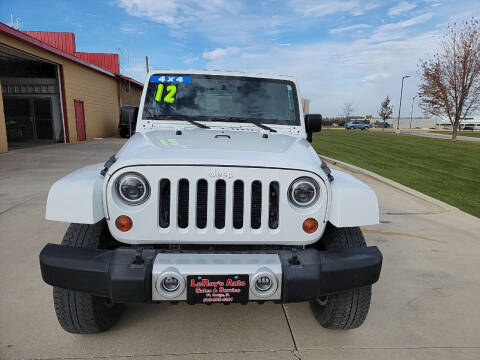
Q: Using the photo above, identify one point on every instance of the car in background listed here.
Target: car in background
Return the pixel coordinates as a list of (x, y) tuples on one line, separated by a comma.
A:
[(128, 120), (356, 125), (469, 127), (383, 125)]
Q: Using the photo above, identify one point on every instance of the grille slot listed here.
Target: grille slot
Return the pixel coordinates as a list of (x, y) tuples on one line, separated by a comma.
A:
[(182, 205), (256, 205), (164, 204), (202, 203), (237, 212), (273, 206), (220, 198), (206, 203)]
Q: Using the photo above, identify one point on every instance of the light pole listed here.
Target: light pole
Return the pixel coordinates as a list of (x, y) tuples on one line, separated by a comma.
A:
[(411, 112), (400, 106)]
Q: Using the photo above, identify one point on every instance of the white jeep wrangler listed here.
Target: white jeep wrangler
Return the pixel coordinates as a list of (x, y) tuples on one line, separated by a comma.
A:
[(217, 198)]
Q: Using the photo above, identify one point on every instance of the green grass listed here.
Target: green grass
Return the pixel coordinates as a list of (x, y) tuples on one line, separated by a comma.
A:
[(461, 133), (446, 170)]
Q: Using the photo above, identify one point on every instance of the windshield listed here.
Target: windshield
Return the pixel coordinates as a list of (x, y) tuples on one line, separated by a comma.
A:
[(221, 98)]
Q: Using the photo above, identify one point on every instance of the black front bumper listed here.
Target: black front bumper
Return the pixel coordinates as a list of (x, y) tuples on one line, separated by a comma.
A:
[(125, 274)]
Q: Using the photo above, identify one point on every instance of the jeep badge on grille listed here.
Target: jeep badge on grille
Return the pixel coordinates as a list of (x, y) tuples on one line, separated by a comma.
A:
[(220, 174)]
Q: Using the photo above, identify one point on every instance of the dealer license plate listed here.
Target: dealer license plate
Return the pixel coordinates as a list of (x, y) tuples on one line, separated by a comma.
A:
[(210, 289)]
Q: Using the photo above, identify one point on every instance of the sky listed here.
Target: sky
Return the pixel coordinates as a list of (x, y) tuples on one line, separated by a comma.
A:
[(353, 51)]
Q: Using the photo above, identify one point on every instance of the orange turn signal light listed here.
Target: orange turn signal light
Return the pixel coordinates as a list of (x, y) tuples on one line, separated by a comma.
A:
[(123, 223), (310, 225)]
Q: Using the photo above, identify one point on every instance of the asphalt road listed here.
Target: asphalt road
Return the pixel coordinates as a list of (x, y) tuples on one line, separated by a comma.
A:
[(425, 306)]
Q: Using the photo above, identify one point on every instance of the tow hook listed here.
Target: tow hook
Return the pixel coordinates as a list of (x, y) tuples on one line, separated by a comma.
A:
[(138, 257)]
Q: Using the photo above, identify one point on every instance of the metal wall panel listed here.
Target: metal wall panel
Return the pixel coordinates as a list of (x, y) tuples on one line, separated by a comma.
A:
[(66, 42), (108, 62), (61, 40)]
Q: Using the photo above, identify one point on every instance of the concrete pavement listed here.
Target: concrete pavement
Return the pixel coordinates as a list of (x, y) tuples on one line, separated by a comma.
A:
[(425, 305), (426, 133)]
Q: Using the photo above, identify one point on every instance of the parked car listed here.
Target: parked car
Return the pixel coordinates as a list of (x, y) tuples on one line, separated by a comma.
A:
[(128, 120), (217, 198), (383, 125), (356, 125)]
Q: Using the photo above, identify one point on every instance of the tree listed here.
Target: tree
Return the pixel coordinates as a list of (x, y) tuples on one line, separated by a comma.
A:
[(385, 110), (450, 79), (347, 110)]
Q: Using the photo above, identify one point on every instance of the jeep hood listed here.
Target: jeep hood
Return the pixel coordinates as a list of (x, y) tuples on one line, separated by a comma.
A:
[(217, 148)]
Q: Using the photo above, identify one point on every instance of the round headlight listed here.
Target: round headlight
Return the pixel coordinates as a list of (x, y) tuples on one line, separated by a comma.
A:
[(133, 188), (304, 192)]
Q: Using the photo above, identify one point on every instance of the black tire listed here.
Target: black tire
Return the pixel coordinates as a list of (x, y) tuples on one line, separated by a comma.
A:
[(79, 312), (347, 309), (123, 133)]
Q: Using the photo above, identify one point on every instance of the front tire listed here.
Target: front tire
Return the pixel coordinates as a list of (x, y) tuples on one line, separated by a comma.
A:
[(347, 309), (79, 312)]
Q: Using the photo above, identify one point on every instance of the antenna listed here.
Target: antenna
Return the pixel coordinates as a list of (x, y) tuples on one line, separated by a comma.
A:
[(124, 59), (18, 24)]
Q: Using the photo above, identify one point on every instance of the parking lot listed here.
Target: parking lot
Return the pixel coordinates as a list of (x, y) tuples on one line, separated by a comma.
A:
[(425, 305)]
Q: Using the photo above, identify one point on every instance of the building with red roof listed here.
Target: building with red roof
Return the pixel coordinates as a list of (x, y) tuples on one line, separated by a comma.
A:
[(50, 92)]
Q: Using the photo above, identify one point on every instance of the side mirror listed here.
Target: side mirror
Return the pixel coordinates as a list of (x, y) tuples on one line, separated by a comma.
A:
[(313, 123), (128, 115)]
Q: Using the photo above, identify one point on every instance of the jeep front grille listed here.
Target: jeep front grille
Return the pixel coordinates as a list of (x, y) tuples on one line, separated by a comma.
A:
[(244, 205)]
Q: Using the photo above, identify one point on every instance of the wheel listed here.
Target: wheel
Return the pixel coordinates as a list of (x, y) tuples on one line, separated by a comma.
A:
[(347, 309), (78, 312), (123, 133)]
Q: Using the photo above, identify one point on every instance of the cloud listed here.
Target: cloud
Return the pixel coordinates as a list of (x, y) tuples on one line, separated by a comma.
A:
[(396, 30), (137, 71), (401, 8), (318, 8), (190, 59), (220, 21), (348, 28), (376, 76), (218, 54), (131, 29), (331, 73), (162, 11), (176, 12), (291, 39)]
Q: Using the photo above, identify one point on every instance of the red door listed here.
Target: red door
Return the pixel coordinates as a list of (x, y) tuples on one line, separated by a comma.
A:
[(80, 120)]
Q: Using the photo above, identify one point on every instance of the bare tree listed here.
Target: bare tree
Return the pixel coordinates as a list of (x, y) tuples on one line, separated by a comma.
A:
[(450, 79), (347, 111), (385, 110)]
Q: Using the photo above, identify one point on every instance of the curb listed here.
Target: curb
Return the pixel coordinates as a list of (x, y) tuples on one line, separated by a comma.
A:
[(394, 184)]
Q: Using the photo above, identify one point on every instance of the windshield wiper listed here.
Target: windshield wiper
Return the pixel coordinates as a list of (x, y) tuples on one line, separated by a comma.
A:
[(179, 117), (200, 125), (250, 121)]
